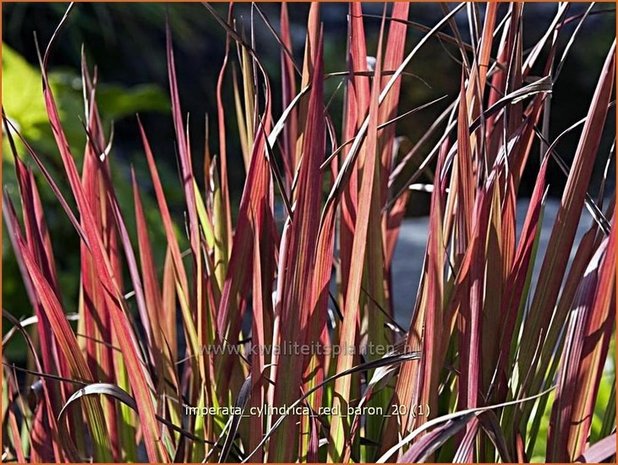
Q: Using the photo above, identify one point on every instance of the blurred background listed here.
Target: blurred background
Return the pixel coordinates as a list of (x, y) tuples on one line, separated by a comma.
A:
[(126, 42)]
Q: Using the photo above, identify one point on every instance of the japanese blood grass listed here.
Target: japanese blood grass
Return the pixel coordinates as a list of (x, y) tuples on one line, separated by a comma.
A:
[(489, 354)]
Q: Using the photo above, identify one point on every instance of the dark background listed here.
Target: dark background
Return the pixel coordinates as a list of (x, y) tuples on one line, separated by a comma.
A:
[(127, 44)]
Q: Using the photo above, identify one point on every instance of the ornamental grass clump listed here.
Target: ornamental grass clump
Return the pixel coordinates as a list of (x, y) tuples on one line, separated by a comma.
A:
[(267, 332)]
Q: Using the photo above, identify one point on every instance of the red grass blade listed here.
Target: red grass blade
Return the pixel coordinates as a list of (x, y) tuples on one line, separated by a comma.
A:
[(347, 338), (67, 343), (114, 297), (288, 87), (588, 336), (303, 236), (563, 231)]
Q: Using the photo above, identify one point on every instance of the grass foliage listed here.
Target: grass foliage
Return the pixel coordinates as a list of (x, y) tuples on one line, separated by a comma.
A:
[(493, 366)]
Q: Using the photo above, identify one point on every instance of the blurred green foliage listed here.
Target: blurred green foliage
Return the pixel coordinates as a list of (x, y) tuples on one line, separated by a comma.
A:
[(24, 105)]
